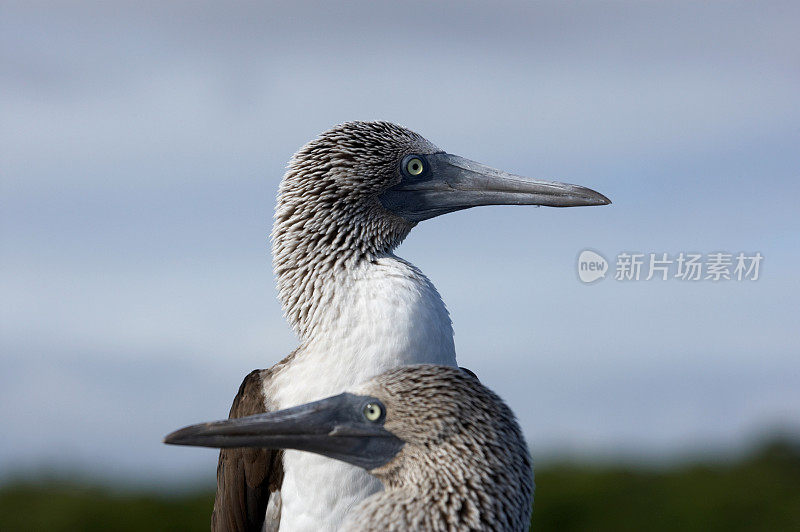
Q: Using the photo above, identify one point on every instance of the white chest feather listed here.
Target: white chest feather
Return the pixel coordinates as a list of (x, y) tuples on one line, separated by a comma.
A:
[(382, 315)]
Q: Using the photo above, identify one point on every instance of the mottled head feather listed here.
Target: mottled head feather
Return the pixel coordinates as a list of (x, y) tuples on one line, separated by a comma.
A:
[(328, 215), (465, 464)]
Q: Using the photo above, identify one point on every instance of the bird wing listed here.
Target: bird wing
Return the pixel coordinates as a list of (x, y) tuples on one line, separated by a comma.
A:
[(248, 480)]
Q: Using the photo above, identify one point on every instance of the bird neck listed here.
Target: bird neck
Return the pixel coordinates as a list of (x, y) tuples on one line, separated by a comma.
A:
[(453, 487), (373, 303), (451, 502), (315, 254)]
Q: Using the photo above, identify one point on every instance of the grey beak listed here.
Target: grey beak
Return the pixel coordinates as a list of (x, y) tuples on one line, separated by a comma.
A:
[(332, 427), (451, 183)]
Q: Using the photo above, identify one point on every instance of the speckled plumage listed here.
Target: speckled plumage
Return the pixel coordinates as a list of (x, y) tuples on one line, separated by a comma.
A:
[(465, 464)]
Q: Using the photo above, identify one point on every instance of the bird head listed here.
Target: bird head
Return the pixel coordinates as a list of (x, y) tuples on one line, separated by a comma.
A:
[(409, 424), (362, 186)]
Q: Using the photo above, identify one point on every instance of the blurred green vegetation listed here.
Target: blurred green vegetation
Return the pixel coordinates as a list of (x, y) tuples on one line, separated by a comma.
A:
[(758, 492), (34, 506)]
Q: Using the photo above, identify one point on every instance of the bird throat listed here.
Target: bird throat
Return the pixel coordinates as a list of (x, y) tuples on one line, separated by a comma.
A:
[(379, 314)]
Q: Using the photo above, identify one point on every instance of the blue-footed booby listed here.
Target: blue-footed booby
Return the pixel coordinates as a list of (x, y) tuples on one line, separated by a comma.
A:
[(448, 451), (346, 202)]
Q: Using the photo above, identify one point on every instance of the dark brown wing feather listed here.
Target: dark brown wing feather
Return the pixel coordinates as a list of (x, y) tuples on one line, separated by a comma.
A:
[(247, 477)]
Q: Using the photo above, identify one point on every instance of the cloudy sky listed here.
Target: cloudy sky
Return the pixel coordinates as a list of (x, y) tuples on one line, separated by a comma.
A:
[(141, 145)]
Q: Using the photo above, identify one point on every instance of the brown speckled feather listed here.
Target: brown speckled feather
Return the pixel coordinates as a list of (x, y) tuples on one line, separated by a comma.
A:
[(247, 478)]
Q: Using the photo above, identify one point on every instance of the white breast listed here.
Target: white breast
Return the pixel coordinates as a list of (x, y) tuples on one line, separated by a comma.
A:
[(379, 316)]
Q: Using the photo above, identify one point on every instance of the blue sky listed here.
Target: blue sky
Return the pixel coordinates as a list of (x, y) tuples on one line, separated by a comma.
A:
[(141, 147)]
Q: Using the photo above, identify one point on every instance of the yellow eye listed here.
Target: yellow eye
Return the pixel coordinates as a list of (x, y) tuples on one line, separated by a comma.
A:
[(372, 411), (414, 166)]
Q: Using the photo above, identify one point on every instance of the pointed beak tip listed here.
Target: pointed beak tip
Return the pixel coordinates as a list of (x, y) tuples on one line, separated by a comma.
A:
[(179, 437), (593, 198), (170, 439)]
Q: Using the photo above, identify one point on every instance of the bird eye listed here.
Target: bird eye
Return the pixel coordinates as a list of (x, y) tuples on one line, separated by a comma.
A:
[(414, 166), (372, 411)]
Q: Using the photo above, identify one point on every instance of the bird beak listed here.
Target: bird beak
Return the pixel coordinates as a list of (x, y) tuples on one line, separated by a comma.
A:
[(332, 427), (451, 183)]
